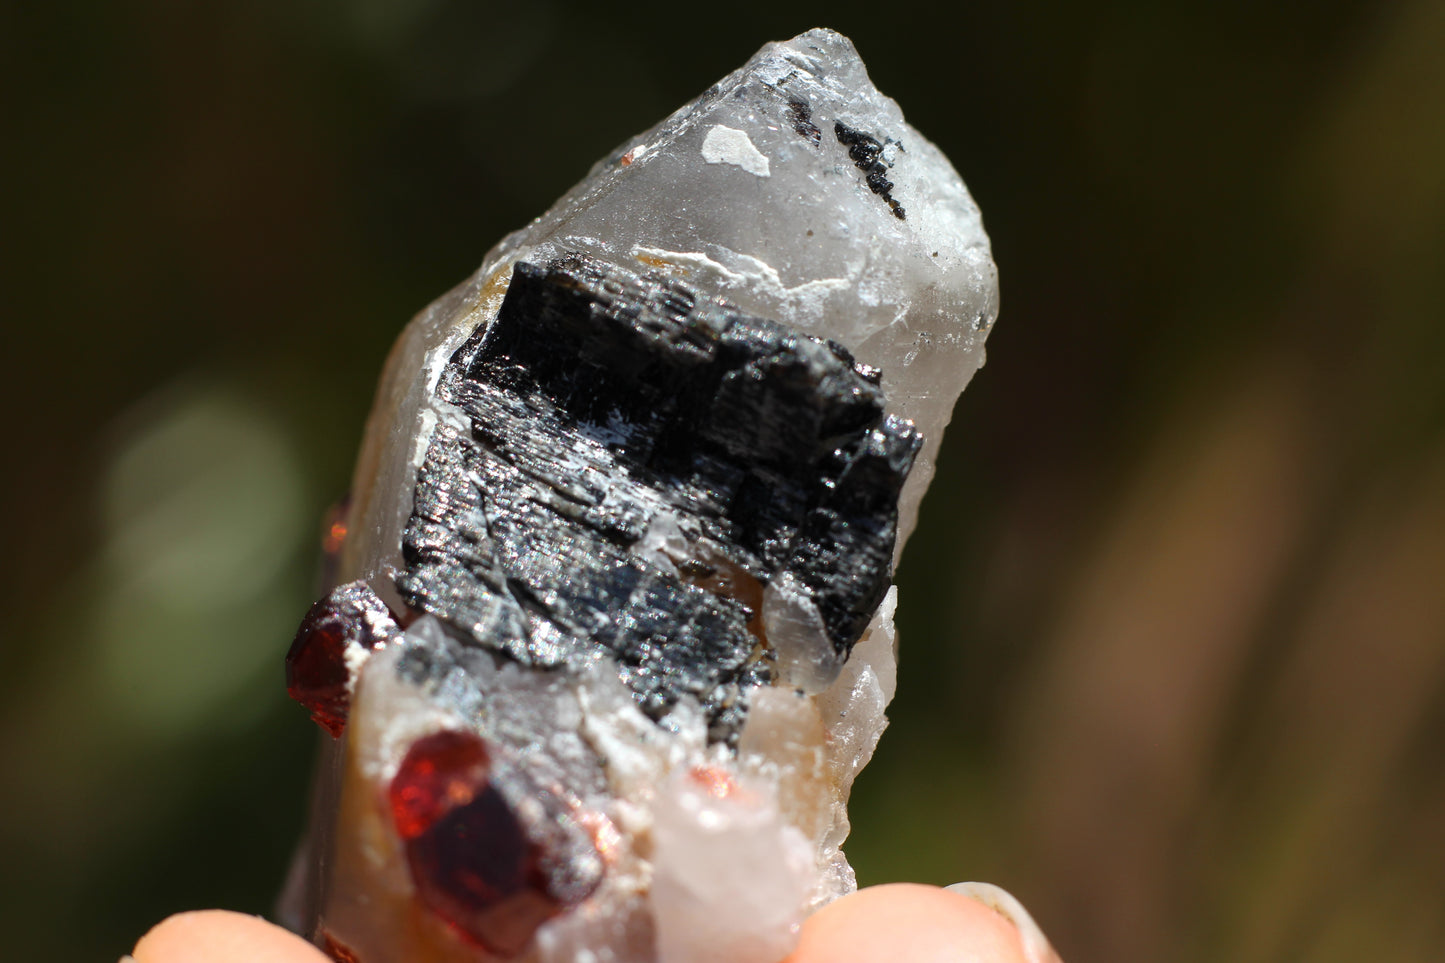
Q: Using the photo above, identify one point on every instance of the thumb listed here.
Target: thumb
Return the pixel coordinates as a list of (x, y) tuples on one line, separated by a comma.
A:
[(910, 923), (220, 936)]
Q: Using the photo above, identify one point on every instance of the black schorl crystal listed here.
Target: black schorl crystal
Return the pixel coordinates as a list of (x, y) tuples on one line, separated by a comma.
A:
[(608, 409), (866, 152), (802, 116)]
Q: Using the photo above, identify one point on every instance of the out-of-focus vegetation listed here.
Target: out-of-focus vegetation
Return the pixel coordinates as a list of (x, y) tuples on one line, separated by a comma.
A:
[(1174, 623)]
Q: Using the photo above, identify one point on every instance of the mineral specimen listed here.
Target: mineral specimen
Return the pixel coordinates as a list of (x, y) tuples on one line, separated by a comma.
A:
[(615, 633)]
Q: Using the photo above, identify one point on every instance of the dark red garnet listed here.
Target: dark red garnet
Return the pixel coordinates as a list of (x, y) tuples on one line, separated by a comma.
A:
[(474, 861), (441, 772), (318, 673)]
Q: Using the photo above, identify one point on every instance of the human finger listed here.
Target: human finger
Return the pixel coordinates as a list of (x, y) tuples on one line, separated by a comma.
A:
[(221, 936), (911, 923)]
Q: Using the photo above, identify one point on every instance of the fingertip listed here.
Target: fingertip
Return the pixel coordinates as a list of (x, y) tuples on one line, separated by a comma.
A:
[(908, 923), (221, 936), (1036, 945)]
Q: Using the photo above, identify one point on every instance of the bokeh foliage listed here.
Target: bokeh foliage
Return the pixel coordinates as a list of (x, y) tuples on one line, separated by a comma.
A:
[(1174, 622)]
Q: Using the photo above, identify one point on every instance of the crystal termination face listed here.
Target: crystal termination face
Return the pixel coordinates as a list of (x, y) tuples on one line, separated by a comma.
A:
[(606, 407)]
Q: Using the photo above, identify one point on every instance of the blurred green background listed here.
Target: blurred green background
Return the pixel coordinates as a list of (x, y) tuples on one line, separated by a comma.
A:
[(1173, 625)]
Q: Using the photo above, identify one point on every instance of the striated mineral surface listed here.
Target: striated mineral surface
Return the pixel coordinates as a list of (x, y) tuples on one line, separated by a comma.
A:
[(614, 628)]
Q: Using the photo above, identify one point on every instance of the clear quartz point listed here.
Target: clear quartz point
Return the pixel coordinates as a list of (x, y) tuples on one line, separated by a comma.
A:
[(634, 492)]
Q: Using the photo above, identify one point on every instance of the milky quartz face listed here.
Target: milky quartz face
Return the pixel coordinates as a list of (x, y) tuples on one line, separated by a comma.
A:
[(634, 815)]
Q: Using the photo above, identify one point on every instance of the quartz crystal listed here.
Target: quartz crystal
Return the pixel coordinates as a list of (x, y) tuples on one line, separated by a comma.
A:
[(614, 626)]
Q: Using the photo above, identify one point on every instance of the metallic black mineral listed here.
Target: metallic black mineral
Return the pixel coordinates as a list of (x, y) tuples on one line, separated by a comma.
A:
[(601, 404)]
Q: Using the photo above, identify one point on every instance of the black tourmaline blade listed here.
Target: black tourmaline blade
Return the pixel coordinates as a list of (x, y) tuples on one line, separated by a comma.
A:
[(603, 404)]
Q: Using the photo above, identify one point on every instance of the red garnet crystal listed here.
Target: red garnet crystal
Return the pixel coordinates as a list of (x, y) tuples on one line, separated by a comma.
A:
[(476, 861), (352, 619)]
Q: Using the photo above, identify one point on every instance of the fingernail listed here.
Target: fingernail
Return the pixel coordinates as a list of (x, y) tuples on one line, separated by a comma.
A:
[(1001, 901), (126, 959)]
